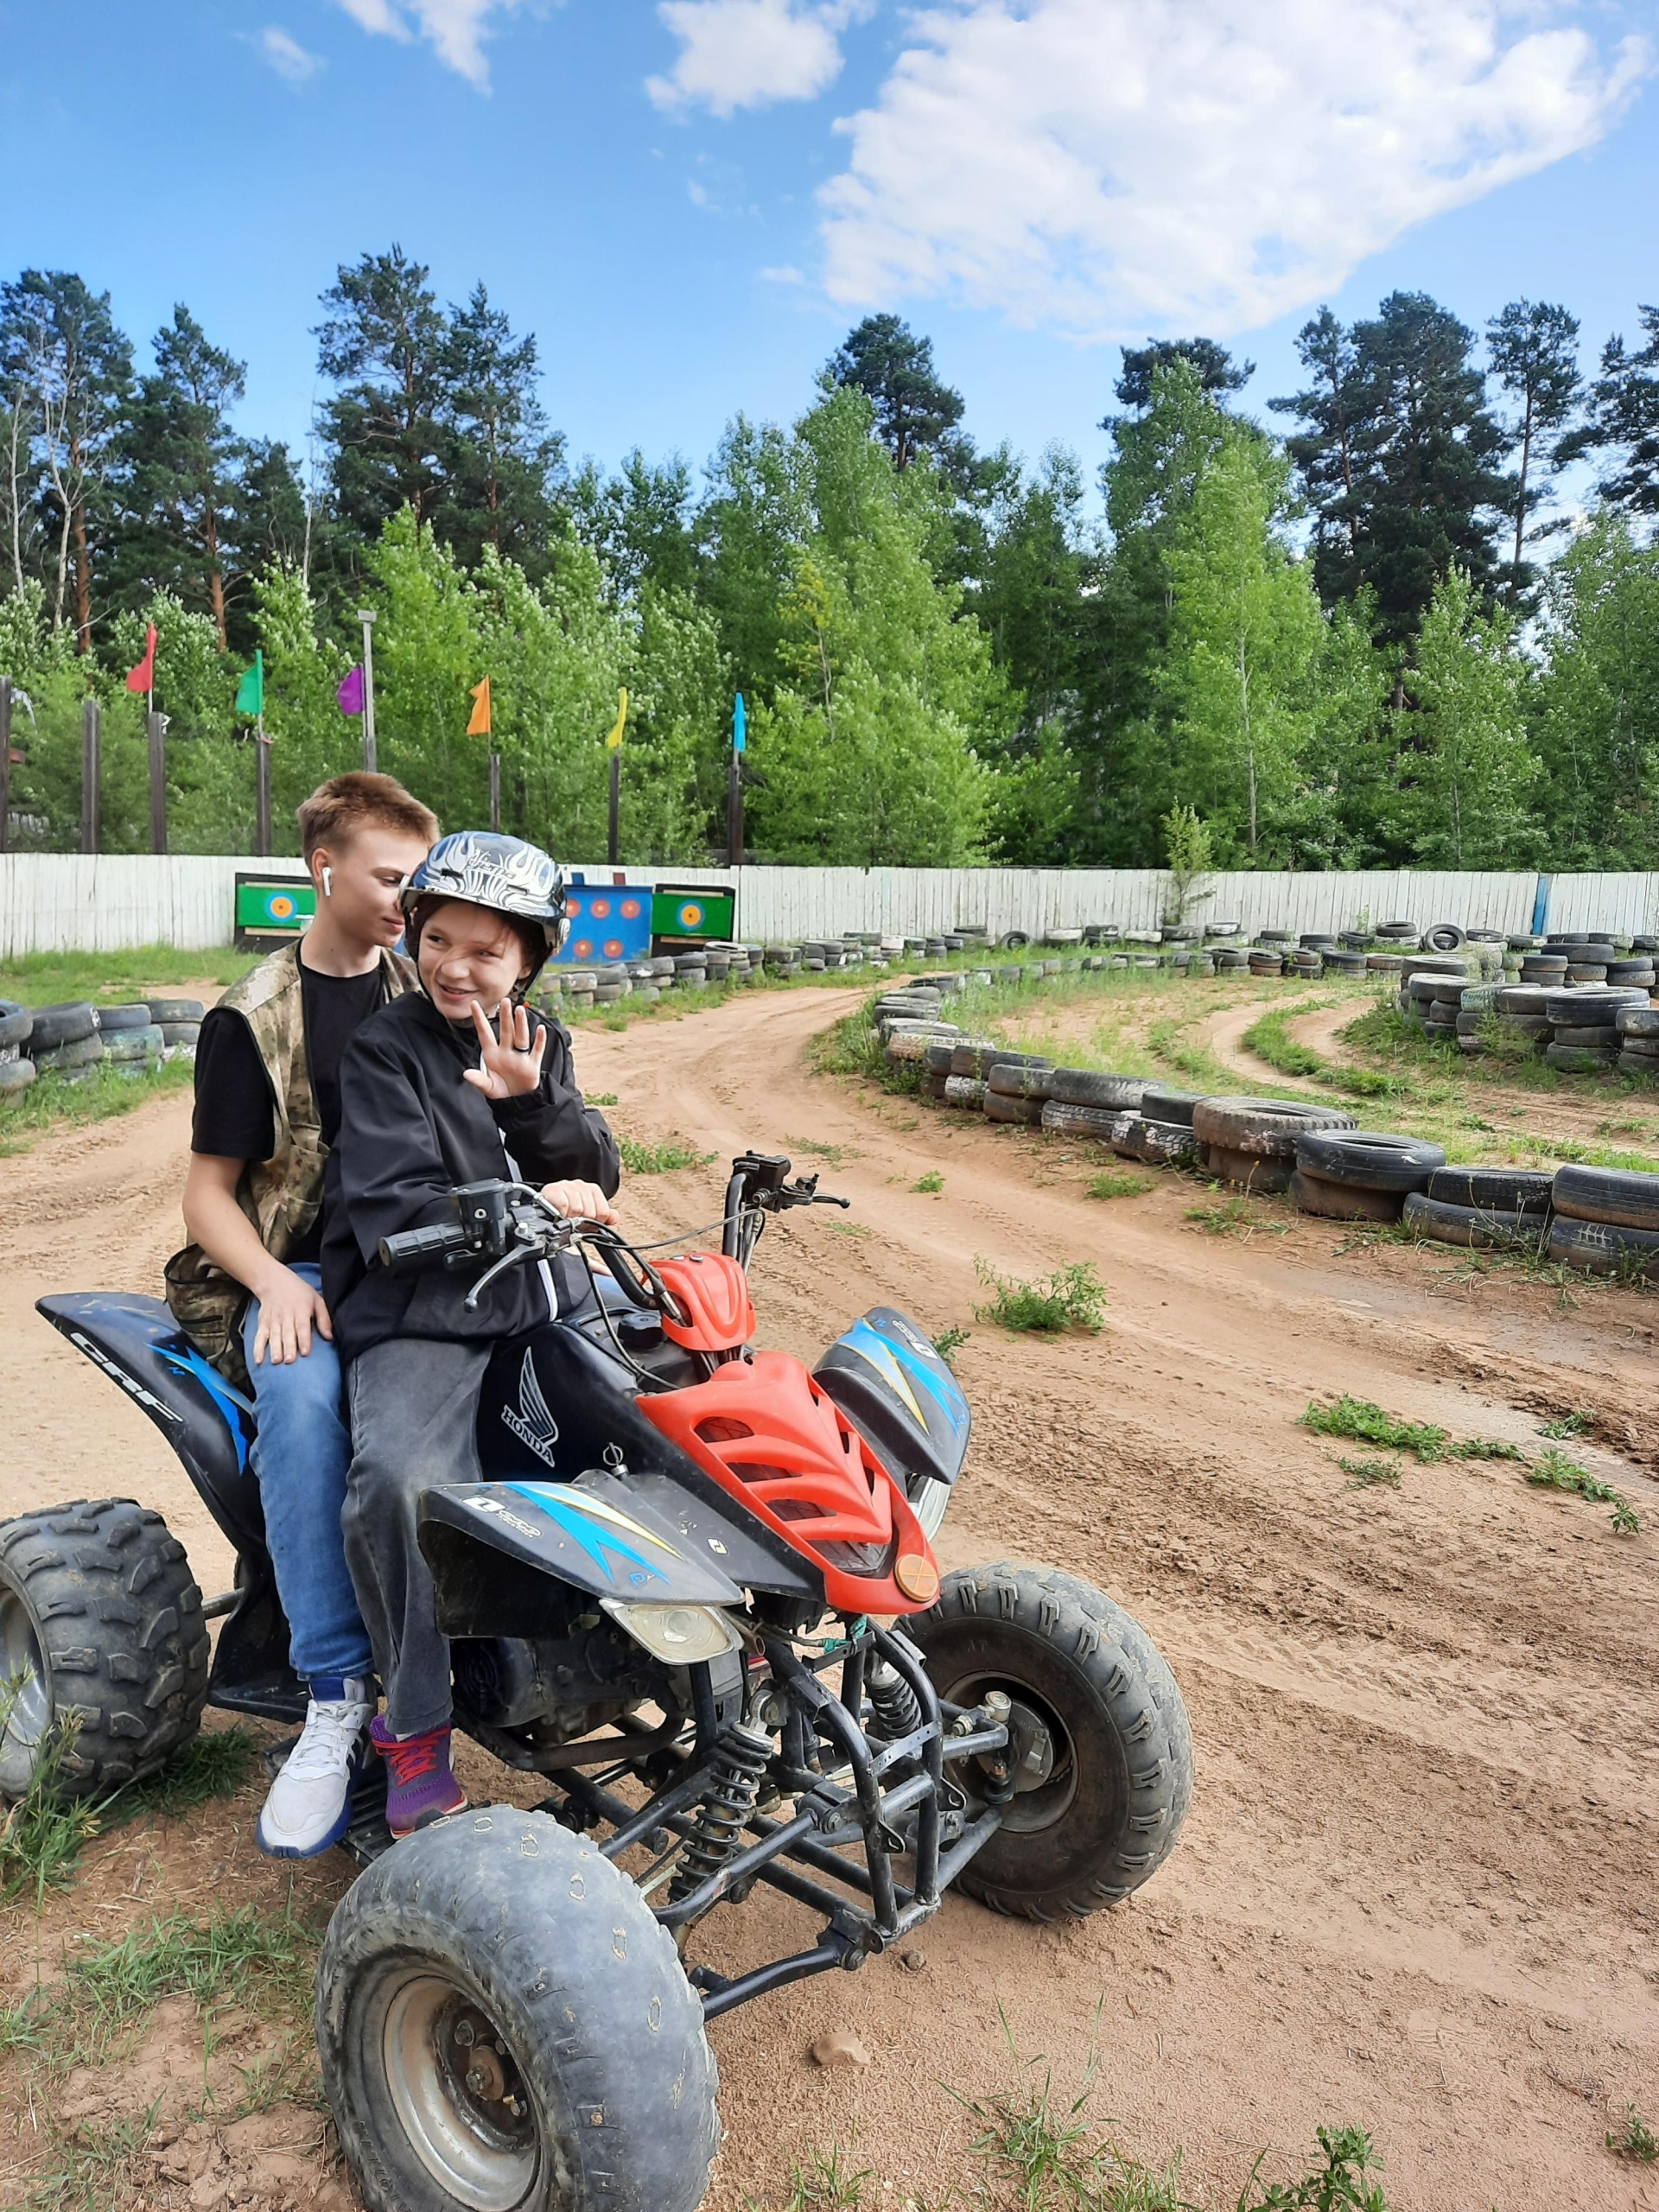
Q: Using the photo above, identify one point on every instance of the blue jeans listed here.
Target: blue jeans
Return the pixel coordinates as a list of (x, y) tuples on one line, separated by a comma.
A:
[(300, 1456)]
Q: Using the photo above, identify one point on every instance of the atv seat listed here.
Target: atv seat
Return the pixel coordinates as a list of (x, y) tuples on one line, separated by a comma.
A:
[(140, 1346)]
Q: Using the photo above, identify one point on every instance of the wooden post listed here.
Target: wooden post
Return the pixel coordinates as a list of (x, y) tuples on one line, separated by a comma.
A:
[(366, 616), (5, 764), (262, 752), (156, 731), (616, 800), (495, 791), (91, 729), (734, 812)]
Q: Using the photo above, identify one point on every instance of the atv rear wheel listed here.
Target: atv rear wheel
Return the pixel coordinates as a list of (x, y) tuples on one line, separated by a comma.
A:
[(1101, 1748), (100, 1626), (504, 2027)]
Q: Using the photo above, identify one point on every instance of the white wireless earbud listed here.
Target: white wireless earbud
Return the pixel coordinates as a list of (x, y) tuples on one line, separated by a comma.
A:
[(328, 882)]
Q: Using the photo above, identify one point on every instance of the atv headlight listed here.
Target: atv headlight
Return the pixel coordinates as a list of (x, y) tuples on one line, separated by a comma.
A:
[(680, 1636)]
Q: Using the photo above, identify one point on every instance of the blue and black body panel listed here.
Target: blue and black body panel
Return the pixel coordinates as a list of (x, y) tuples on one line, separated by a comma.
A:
[(896, 1390)]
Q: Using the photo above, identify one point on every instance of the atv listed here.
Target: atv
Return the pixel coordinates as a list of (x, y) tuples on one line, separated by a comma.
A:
[(695, 1596)]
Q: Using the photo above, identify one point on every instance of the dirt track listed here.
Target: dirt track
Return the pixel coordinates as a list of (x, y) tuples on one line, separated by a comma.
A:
[(1417, 1887)]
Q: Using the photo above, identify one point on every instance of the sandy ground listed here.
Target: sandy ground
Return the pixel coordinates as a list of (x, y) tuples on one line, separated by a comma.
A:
[(1416, 1890)]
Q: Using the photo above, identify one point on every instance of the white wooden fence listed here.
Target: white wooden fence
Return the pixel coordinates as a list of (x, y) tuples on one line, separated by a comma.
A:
[(55, 902)]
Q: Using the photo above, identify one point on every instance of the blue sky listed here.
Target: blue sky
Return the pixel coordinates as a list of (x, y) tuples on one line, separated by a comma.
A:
[(689, 203)]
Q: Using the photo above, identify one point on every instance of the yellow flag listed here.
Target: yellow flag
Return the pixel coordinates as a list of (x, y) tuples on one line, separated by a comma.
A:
[(479, 725), (614, 739)]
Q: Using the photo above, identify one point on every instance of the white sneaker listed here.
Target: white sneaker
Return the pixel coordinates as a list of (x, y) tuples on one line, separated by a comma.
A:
[(310, 1805)]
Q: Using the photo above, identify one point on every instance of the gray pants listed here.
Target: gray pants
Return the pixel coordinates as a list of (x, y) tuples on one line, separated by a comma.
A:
[(414, 1400)]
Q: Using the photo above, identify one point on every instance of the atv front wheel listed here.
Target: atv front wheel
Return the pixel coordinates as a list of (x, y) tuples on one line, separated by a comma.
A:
[(100, 1627), (504, 2027), (1101, 1750)]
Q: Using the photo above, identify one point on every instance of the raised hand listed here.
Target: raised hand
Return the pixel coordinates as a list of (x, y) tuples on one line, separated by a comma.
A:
[(512, 1065)]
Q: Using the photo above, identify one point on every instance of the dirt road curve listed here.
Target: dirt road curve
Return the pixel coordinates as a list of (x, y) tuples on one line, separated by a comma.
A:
[(1417, 1888)]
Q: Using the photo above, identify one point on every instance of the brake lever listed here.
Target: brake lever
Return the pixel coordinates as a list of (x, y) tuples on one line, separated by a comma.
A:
[(513, 1259)]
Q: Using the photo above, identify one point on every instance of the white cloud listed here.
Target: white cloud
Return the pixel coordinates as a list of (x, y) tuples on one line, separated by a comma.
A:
[(788, 274), (457, 29), (748, 53), (287, 56), (1109, 166)]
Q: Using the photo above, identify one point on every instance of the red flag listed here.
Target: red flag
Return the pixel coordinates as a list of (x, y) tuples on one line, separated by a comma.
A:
[(143, 678)]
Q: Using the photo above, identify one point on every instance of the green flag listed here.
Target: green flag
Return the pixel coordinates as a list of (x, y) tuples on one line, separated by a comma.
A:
[(250, 692)]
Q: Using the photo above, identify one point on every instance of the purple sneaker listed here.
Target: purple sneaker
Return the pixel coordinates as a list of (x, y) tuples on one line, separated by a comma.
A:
[(421, 1785)]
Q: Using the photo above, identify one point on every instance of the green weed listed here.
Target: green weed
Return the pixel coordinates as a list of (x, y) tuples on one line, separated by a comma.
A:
[(930, 1183), (148, 971), (94, 2165), (1553, 1470), (603, 1098), (836, 1154), (1634, 2139), (54, 1102), (1234, 1217), (40, 1835), (213, 1765), (825, 2184), (1118, 1183), (1070, 1298), (1342, 2184), (1365, 1474), (1576, 1423), (949, 1341), (1365, 1423), (1270, 1039), (663, 1159)]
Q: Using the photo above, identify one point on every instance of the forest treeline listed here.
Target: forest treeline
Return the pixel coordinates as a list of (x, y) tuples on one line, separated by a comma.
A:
[(1364, 632)]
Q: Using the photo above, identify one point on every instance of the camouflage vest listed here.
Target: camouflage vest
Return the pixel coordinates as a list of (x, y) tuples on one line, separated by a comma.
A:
[(281, 1195)]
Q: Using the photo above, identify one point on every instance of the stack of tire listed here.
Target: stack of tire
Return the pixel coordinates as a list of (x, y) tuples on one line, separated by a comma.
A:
[(180, 1023), (691, 970), (16, 1069), (1360, 1174), (1016, 1089), (1081, 1102), (579, 986), (783, 959), (1638, 1040), (1158, 1131), (1584, 1022), (1605, 1220), (1482, 1208), (1252, 1141)]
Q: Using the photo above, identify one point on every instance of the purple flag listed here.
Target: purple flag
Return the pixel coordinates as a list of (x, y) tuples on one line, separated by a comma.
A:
[(350, 693)]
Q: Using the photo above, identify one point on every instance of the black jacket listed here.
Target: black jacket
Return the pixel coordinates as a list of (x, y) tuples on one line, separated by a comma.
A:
[(410, 1129)]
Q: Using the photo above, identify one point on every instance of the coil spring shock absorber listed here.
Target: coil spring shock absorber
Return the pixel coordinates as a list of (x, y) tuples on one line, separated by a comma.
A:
[(894, 1707), (741, 1760)]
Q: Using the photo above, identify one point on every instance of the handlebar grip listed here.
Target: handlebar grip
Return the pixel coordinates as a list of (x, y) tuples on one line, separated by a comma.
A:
[(411, 1248)]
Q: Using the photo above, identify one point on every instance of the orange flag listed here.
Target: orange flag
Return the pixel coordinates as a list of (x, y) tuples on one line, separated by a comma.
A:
[(479, 725)]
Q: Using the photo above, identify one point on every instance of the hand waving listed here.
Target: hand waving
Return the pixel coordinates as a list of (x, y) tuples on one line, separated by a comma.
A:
[(512, 1065)]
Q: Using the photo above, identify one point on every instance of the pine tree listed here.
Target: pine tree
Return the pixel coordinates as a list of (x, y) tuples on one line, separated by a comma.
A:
[(1623, 421), (1325, 455), (184, 469), (1534, 349), (1213, 365), (501, 463), (915, 409), (385, 340)]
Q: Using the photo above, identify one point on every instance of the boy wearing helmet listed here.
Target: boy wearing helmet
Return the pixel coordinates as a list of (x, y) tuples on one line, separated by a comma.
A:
[(455, 1082)]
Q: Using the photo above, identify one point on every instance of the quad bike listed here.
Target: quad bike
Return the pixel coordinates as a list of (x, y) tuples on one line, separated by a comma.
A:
[(696, 1595)]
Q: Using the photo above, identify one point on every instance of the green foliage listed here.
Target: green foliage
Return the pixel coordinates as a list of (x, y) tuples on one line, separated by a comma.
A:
[(1468, 782), (928, 1184), (1342, 2184), (1234, 1217), (1118, 1183), (1072, 1298), (56, 1101), (1368, 1424), (1366, 1474), (1634, 2139), (1573, 1424), (949, 1341), (42, 1834), (658, 1159), (1553, 1470)]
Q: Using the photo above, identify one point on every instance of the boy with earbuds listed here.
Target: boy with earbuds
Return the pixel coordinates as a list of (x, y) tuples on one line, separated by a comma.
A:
[(267, 1115)]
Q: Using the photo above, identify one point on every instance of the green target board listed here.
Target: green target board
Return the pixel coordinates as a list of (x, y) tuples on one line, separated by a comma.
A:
[(694, 911), (270, 908)]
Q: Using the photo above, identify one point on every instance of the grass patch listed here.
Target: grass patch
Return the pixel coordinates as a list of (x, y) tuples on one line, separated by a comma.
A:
[(94, 2164), (108, 1989), (1342, 2183), (1634, 2139), (601, 1098), (930, 1184), (836, 1154), (1553, 1470), (148, 971), (214, 1764), (1234, 1217), (1270, 1039), (1366, 1474), (949, 1341), (827, 2183), (1118, 1183), (1072, 1298), (662, 1158), (1363, 1422), (53, 1102)]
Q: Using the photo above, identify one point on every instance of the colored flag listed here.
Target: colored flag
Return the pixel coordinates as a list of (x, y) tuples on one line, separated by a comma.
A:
[(740, 726), (250, 692), (143, 678), (479, 725), (614, 742), (350, 693)]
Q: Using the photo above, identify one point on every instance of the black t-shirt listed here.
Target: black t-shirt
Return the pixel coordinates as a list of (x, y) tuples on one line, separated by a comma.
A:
[(235, 1116)]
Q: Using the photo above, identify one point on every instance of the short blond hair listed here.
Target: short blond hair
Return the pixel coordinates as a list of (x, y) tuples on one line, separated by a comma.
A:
[(338, 809)]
